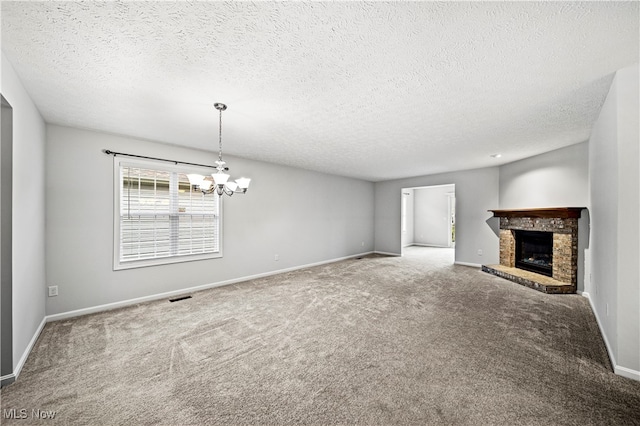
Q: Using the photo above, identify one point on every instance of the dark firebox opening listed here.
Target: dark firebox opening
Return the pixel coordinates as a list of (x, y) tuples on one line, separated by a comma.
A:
[(534, 251)]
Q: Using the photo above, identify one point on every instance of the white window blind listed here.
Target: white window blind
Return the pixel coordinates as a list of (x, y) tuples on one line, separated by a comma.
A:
[(162, 218)]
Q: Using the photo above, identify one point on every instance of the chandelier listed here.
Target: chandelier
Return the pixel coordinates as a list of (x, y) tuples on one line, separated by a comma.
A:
[(219, 181)]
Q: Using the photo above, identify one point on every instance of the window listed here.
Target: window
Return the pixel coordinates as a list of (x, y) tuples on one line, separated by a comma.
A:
[(160, 218)]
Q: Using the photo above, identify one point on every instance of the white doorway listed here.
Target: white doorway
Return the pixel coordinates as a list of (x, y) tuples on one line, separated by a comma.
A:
[(428, 216), (452, 218)]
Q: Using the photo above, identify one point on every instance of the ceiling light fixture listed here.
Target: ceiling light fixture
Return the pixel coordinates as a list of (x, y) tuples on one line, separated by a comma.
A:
[(495, 155), (220, 183)]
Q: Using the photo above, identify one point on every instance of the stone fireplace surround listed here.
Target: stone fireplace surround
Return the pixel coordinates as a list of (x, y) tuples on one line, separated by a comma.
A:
[(563, 223)]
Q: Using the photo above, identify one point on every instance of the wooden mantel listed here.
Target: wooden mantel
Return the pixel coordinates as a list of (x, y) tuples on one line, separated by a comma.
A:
[(549, 212)]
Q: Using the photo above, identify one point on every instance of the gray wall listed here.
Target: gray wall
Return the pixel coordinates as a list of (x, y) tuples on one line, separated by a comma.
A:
[(629, 219), (603, 180), (558, 178), (555, 179), (431, 215), (28, 231), (304, 217), (6, 244), (614, 161), (476, 229)]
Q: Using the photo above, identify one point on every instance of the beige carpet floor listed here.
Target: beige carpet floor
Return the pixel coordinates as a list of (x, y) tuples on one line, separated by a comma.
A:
[(378, 340)]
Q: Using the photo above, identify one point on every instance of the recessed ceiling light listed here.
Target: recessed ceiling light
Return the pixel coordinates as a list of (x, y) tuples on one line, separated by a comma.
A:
[(495, 155)]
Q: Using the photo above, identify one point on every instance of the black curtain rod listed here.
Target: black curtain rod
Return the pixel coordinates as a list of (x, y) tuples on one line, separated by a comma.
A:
[(109, 152)]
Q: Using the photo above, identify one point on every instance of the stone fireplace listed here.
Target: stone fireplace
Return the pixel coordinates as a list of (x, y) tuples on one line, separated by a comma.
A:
[(539, 248)]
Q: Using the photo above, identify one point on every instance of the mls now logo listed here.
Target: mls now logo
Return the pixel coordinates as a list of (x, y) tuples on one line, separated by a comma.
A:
[(22, 413), (14, 414)]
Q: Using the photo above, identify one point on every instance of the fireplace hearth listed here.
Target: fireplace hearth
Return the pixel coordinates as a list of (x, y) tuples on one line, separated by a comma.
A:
[(539, 248)]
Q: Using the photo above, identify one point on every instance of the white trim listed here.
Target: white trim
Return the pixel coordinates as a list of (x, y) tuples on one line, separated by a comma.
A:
[(386, 253), (451, 214), (473, 265), (10, 378), (627, 372), (7, 380), (617, 369), (129, 302), (612, 358), (429, 245)]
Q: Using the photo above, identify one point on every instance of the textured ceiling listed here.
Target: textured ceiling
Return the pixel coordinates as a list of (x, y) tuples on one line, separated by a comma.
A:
[(373, 90)]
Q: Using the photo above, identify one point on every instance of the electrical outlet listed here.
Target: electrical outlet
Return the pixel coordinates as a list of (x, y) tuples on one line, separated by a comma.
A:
[(363, 244), (53, 290), (276, 257), (480, 252)]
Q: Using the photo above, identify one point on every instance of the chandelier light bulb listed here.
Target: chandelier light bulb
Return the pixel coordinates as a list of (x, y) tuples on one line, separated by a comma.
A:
[(195, 179), (220, 178), (243, 183)]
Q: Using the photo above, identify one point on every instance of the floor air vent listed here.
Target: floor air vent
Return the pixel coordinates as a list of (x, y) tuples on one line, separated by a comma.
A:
[(177, 299)]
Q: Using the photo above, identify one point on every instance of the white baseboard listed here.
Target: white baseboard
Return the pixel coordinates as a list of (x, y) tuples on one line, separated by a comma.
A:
[(7, 380), (129, 302), (627, 372), (619, 370), (473, 265), (10, 378), (612, 358), (385, 253)]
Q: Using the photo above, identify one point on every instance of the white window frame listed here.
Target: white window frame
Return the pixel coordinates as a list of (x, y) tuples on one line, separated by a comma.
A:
[(119, 162)]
